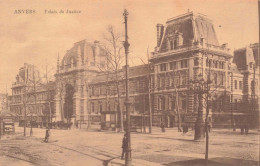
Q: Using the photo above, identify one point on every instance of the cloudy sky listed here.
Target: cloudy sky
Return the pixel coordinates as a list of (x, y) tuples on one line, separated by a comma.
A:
[(39, 38)]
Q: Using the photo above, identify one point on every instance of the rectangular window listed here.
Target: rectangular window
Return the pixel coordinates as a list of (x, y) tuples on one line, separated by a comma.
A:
[(235, 84), (183, 104), (100, 91), (163, 67), (171, 45), (100, 108), (196, 62), (81, 107), (82, 91), (240, 85), (112, 117), (159, 104), (92, 107), (175, 44), (173, 65), (215, 64), (221, 79), (184, 63), (92, 91)]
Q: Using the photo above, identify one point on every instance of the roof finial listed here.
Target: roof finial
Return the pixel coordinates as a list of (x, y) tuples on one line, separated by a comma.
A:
[(188, 10)]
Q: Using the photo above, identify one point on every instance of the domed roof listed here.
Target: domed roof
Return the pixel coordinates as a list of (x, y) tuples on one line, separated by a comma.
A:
[(82, 52)]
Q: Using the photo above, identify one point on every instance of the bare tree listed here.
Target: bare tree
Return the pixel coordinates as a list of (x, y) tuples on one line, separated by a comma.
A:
[(34, 84), (112, 46), (149, 90), (176, 76), (49, 90)]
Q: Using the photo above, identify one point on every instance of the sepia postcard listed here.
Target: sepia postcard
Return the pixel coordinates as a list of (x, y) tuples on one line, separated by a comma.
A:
[(129, 83)]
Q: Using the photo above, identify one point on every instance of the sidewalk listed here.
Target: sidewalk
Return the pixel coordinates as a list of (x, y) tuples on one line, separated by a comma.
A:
[(219, 161), (190, 158)]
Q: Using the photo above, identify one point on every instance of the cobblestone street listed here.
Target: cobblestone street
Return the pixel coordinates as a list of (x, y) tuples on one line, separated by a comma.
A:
[(81, 147)]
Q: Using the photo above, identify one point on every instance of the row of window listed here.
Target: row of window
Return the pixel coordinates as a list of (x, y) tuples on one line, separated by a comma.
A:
[(135, 86), (163, 82), (215, 64), (174, 65), (238, 84), (100, 107), (171, 104)]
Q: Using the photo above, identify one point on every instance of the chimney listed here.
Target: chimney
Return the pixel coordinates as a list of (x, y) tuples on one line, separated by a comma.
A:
[(160, 30), (97, 51), (202, 41)]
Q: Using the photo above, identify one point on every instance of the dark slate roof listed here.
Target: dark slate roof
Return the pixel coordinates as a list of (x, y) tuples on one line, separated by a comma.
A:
[(233, 69), (193, 27), (255, 48), (242, 57)]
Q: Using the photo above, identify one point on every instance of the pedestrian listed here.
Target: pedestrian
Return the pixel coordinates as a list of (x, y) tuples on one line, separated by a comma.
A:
[(246, 128), (185, 128), (163, 127), (124, 146), (77, 124), (47, 135), (209, 126), (242, 129)]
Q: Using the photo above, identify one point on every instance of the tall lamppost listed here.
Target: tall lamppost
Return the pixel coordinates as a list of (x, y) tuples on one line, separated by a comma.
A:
[(128, 161), (200, 87)]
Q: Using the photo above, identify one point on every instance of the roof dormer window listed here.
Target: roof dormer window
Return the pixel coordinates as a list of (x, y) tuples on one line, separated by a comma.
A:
[(175, 40)]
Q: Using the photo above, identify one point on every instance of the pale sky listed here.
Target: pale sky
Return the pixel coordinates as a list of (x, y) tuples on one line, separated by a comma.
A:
[(39, 38)]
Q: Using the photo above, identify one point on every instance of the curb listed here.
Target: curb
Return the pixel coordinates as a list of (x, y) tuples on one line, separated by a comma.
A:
[(135, 162)]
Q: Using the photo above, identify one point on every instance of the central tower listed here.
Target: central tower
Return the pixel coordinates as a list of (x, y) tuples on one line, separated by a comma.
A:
[(78, 67)]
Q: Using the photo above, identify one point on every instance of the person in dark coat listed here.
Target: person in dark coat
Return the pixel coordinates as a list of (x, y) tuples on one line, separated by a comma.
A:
[(246, 128), (124, 147), (163, 127), (47, 135)]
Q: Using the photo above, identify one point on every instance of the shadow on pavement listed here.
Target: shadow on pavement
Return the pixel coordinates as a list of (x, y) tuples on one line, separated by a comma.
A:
[(220, 161)]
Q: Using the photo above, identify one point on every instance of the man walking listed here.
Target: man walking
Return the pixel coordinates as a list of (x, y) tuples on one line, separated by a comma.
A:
[(124, 147), (47, 135)]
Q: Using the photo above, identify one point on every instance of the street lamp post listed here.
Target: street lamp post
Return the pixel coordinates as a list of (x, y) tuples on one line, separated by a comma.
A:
[(127, 102), (199, 124), (201, 88)]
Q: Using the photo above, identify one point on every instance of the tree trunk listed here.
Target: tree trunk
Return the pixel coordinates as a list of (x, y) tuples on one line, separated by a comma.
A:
[(177, 108), (150, 105), (31, 132), (119, 109), (25, 116)]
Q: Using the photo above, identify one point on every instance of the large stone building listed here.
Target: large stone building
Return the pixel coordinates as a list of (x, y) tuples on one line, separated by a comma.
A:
[(187, 49), (31, 97), (77, 68)]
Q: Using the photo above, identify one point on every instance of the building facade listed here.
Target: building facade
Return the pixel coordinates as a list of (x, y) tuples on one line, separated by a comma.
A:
[(78, 67), (31, 98), (187, 49)]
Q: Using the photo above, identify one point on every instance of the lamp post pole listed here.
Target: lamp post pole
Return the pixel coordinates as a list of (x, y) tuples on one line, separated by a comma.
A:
[(127, 102), (199, 124)]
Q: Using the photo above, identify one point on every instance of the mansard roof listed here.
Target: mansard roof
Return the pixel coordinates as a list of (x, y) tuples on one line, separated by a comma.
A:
[(242, 57), (192, 27), (233, 69)]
